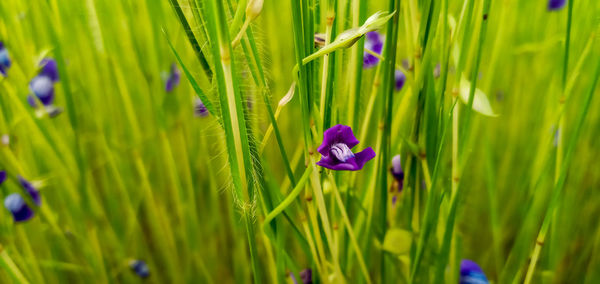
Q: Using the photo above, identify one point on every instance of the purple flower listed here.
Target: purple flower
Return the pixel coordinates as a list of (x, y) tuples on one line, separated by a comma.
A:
[(42, 85), (373, 42), (554, 5), (140, 268), (49, 69), (306, 276), (397, 171), (43, 88), (335, 150), (399, 79), (200, 109), (173, 79), (2, 177), (33, 192), (319, 40), (471, 273), (4, 59), (18, 208)]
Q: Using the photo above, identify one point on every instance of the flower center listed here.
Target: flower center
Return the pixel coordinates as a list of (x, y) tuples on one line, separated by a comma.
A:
[(341, 152)]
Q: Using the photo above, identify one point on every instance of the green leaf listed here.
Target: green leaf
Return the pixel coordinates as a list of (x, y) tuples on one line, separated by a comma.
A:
[(397, 241), (481, 104), (347, 38)]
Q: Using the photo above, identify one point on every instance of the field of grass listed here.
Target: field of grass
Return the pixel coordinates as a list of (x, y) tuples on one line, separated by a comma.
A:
[(208, 141)]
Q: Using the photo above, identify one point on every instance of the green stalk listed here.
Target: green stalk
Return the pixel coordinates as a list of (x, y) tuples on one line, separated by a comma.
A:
[(300, 53), (236, 132), (535, 254), (289, 199), (9, 266), (390, 47), (191, 38), (356, 63)]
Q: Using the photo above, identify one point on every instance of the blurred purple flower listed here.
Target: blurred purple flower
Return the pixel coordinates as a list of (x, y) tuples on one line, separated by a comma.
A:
[(373, 42), (140, 268), (42, 85), (306, 276), (397, 171), (319, 40), (18, 208), (2, 177), (399, 79), (437, 71), (471, 273), (4, 59), (406, 64), (49, 69), (33, 192), (554, 5), (335, 150), (200, 109), (173, 79), (43, 88)]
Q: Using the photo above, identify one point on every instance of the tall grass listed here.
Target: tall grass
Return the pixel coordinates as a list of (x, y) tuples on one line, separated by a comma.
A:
[(499, 150)]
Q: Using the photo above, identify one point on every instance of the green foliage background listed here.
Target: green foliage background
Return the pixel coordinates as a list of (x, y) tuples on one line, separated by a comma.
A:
[(128, 172)]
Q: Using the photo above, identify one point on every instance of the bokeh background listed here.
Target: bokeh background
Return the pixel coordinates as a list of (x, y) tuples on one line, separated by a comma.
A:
[(128, 172)]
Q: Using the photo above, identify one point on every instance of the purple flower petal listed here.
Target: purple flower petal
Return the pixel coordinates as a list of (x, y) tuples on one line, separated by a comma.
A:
[(337, 134), (4, 59), (18, 207), (2, 177), (399, 79), (200, 109), (554, 5), (306, 276), (140, 268), (364, 156), (43, 88), (335, 150), (49, 69), (471, 273), (33, 192), (173, 79), (397, 171), (373, 42)]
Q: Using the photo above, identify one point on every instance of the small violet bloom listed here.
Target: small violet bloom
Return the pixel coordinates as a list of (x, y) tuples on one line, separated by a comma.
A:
[(18, 208), (2, 177), (49, 69), (43, 88), (399, 79), (373, 42), (4, 59), (335, 150), (140, 268), (471, 273), (554, 5), (397, 171), (173, 79), (33, 192), (42, 85), (200, 109), (319, 40), (306, 276)]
